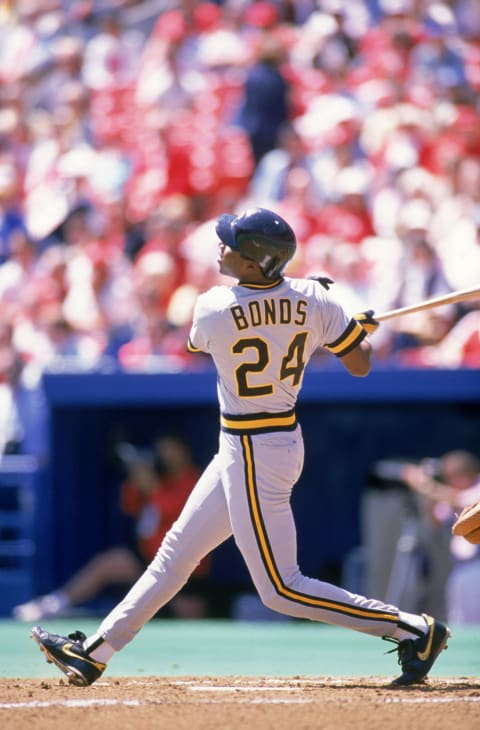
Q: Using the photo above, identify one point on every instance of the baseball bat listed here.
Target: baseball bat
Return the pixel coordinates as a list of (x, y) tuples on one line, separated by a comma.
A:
[(462, 295)]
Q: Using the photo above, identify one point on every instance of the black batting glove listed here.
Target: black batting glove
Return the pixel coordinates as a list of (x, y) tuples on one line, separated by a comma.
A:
[(367, 321), (323, 280)]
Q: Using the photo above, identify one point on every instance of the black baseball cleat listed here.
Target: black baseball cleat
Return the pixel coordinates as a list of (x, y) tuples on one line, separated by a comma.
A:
[(417, 656), (68, 654)]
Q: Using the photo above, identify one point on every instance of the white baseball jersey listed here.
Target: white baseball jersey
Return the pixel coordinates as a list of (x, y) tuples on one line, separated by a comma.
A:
[(261, 337)]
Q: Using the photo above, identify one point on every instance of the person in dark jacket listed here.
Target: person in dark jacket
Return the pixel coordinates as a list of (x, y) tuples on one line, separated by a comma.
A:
[(264, 108)]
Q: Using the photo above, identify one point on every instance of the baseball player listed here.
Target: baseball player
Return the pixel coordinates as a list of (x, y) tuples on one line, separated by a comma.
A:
[(261, 333)]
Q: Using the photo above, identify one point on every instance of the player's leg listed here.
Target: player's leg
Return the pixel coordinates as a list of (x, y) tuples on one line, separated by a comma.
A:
[(203, 524), (258, 485)]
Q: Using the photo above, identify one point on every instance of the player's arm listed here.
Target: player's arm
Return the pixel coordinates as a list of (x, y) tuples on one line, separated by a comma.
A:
[(197, 339), (358, 361), (352, 348)]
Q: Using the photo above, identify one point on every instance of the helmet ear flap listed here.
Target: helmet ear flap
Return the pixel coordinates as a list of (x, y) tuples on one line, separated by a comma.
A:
[(270, 257), (265, 237)]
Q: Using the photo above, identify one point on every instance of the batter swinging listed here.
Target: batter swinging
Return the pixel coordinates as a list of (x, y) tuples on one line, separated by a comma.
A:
[(261, 333)]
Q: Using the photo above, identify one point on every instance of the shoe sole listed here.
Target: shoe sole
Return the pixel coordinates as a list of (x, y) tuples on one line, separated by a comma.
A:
[(421, 680), (74, 676)]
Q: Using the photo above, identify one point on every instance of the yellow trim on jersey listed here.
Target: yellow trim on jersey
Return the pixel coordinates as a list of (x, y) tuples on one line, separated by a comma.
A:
[(349, 339), (261, 286), (191, 347), (259, 422), (269, 559)]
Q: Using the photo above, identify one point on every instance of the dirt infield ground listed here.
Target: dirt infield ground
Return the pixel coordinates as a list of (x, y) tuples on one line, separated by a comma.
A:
[(231, 703)]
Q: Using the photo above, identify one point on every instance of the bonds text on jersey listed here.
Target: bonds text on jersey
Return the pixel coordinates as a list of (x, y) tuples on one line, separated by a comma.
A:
[(269, 311)]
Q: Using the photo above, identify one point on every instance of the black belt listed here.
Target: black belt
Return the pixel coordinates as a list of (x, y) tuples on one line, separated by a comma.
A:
[(259, 422)]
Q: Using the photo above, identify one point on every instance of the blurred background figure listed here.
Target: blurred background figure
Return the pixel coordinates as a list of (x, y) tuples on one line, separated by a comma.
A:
[(159, 481), (455, 486), (408, 511), (421, 276), (264, 108), (12, 429), (269, 181)]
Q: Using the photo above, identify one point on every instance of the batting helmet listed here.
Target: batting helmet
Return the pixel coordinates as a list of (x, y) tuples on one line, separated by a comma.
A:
[(260, 235)]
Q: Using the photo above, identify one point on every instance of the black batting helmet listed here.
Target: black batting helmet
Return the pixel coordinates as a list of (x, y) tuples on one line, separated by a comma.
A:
[(260, 235)]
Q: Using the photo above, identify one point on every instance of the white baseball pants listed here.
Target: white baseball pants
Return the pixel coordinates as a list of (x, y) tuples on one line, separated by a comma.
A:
[(246, 491)]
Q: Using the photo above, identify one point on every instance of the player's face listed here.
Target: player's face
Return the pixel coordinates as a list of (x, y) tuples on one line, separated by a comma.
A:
[(230, 262)]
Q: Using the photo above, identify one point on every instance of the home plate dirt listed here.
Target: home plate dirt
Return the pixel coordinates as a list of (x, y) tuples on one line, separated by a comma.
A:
[(231, 703)]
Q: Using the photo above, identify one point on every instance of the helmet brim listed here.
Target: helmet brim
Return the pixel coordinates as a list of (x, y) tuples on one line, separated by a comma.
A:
[(224, 230)]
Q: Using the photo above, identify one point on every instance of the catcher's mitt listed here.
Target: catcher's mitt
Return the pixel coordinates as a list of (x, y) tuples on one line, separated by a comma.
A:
[(467, 524)]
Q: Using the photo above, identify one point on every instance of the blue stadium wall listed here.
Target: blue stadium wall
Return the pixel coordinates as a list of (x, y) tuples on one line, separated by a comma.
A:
[(348, 424)]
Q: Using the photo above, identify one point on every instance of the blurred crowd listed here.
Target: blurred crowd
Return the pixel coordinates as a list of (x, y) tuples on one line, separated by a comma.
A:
[(126, 127)]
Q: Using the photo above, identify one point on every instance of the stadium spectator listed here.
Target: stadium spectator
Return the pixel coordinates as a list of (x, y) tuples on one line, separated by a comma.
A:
[(348, 218), (12, 430), (11, 214), (459, 348), (420, 276), (158, 483), (268, 184), (111, 56), (265, 104)]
